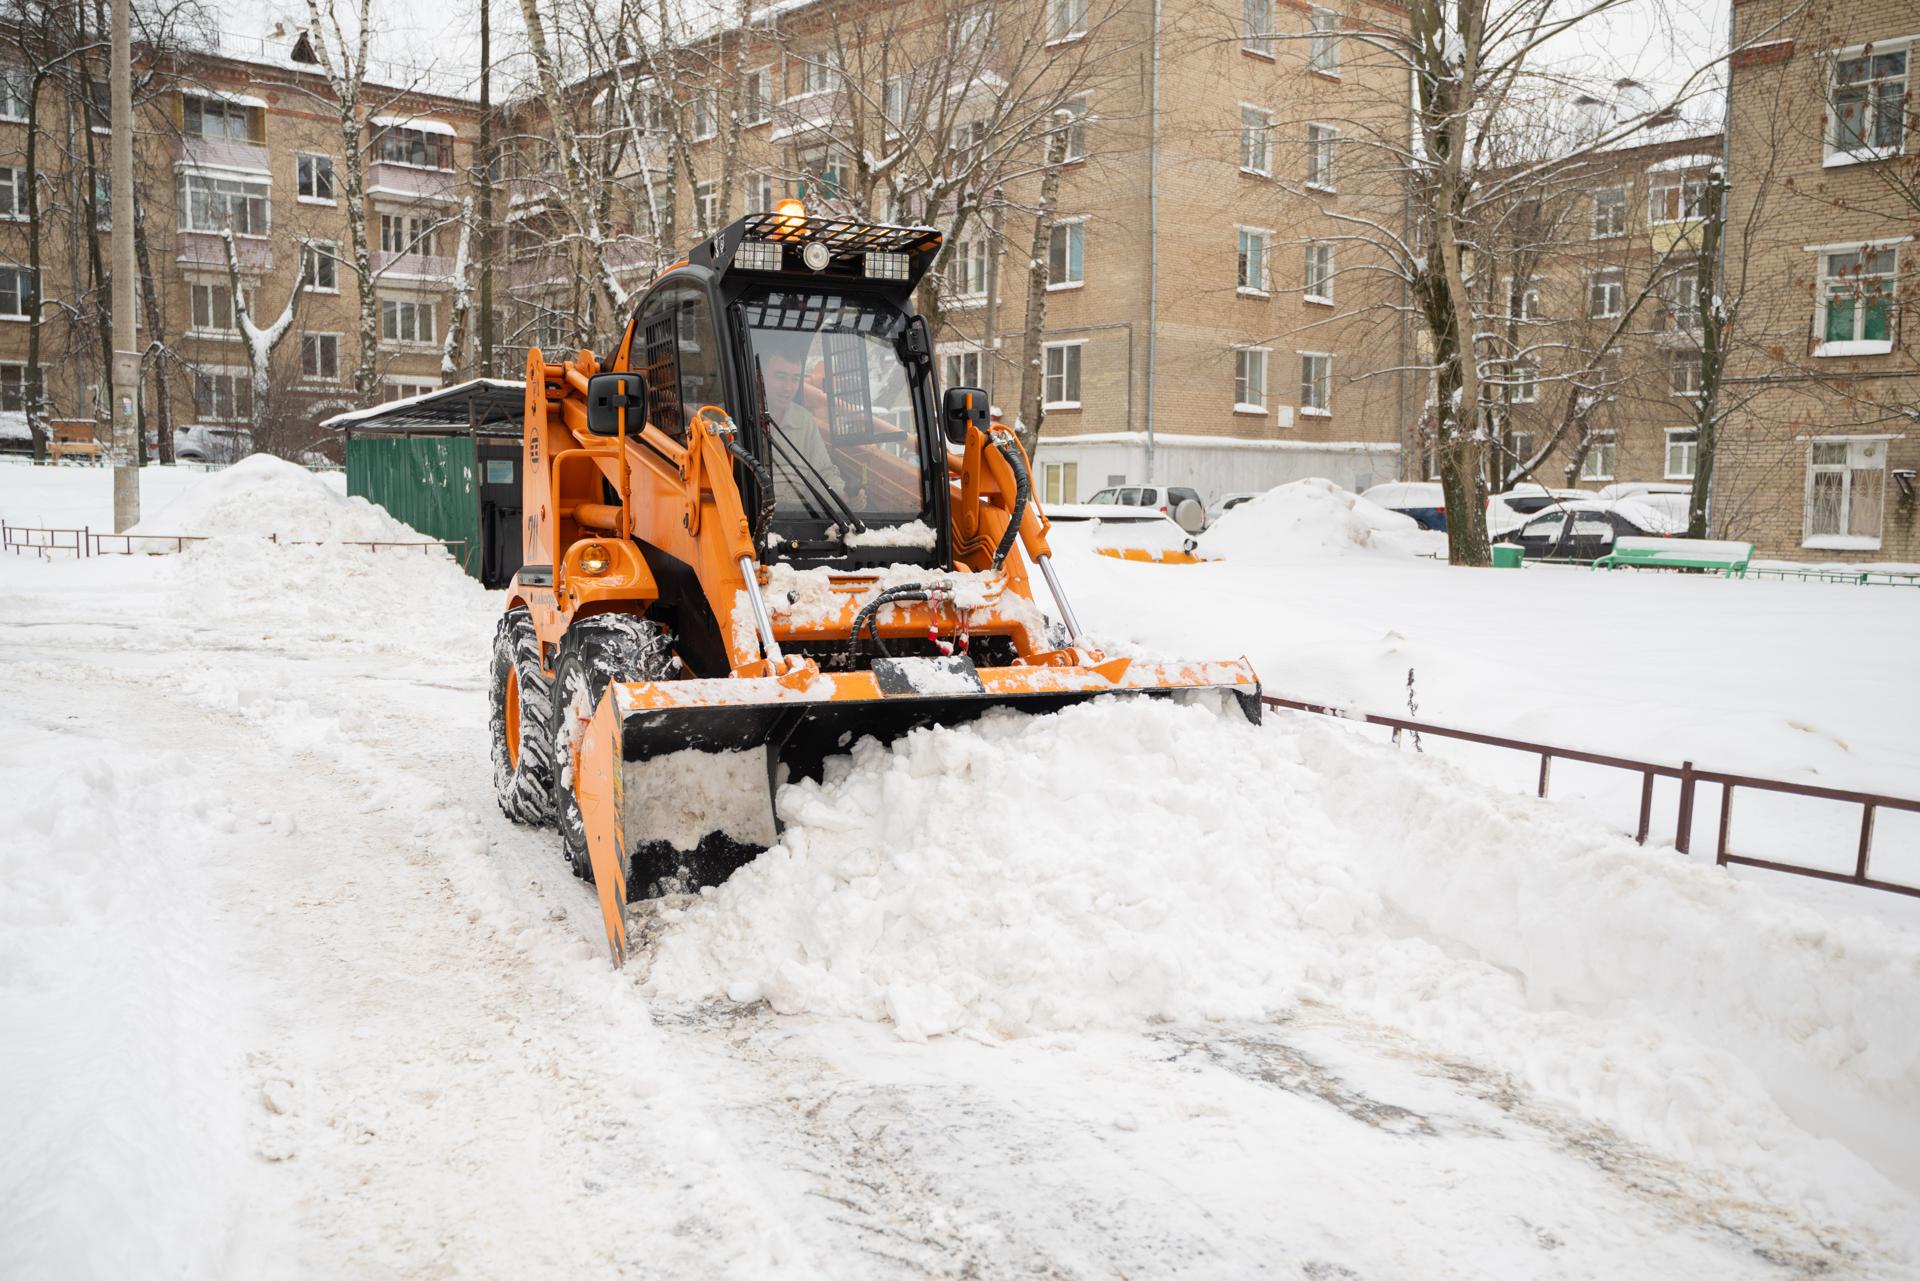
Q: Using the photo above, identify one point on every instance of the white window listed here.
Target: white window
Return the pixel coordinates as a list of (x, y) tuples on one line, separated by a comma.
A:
[(16, 292), (1523, 303), (320, 357), (1320, 144), (1319, 273), (213, 204), (706, 204), (1523, 382), (14, 85), (705, 116), (399, 145), (1684, 374), (212, 308), (1609, 212), (1856, 301), (820, 73), (1673, 198), (313, 179), (217, 118), (967, 269), (1060, 385), (1606, 293), (222, 395), (973, 32), (756, 97), (1073, 118), (1066, 255), (1316, 383), (1683, 452), (14, 390), (1846, 481), (406, 320), (320, 266), (1324, 48), (1256, 27), (760, 193), (1060, 482), (963, 368), (1250, 259), (14, 202), (407, 233), (893, 101), (1250, 380), (405, 388), (1866, 113), (1683, 300), (1520, 445), (1256, 140), (1598, 464), (1066, 20)]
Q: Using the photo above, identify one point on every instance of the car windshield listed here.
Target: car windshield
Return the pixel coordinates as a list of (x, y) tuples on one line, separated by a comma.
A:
[(1105, 498), (838, 407)]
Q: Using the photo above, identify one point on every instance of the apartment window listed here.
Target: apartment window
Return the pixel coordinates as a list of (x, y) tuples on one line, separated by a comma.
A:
[(14, 389), (706, 204), (1060, 482), (1256, 27), (1856, 300), (1319, 273), (1672, 198), (1866, 117), (1524, 303), (1606, 293), (967, 269), (1256, 140), (1683, 453), (1073, 118), (16, 292), (1523, 382), (1323, 52), (1060, 383), (214, 204), (823, 175), (212, 308), (706, 116), (893, 101), (820, 74), (1251, 261), (313, 179), (1066, 254), (760, 193), (962, 369), (222, 395), (103, 202), (320, 266), (1684, 373), (1609, 212), (100, 107), (407, 233), (320, 357), (756, 97), (14, 85), (420, 148), (1250, 380), (220, 119), (403, 389), (1520, 445), (1846, 481), (1598, 464), (1316, 383), (1683, 300), (1320, 142), (973, 32), (1066, 20), (14, 202), (406, 320)]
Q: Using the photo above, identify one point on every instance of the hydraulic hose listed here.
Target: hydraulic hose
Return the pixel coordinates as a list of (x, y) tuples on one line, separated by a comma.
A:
[(1022, 494), (763, 519), (869, 616)]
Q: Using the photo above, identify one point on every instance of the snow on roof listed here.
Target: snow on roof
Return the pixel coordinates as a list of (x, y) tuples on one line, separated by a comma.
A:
[(1688, 160), (438, 394), (13, 425), (1164, 441), (413, 122)]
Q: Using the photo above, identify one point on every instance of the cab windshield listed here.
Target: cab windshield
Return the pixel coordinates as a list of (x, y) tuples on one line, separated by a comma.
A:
[(836, 407)]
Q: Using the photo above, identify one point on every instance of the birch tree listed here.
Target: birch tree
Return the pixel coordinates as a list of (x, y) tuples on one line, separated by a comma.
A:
[(342, 58), (262, 341)]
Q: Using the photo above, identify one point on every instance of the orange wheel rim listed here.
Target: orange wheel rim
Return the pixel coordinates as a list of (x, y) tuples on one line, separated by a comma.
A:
[(513, 719)]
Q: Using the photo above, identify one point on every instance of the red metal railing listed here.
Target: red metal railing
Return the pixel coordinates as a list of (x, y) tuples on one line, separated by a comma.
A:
[(1689, 778), (83, 542)]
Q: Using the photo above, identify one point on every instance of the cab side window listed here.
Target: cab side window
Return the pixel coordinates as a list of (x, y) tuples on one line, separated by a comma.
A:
[(680, 353)]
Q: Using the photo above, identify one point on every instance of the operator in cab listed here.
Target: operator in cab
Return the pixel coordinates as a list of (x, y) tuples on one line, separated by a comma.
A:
[(805, 456)]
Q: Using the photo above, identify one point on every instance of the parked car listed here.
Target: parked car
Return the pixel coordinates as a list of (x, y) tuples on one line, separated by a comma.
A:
[(1509, 511), (1420, 499), (1640, 488), (1128, 533), (1582, 531), (1168, 500), (1227, 502)]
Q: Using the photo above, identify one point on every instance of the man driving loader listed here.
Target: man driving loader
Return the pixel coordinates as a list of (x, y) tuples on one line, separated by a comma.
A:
[(798, 470)]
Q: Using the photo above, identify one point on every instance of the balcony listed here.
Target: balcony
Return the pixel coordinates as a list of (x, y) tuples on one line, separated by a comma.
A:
[(808, 113), (221, 153), (392, 266), (203, 249), (408, 182)]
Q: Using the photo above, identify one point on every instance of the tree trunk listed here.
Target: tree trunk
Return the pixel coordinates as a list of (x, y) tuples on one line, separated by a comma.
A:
[(1032, 376), (156, 339), (484, 183), (37, 428), (1706, 411)]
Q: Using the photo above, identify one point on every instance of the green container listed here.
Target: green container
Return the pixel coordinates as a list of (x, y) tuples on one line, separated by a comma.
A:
[(425, 481), (1506, 556)]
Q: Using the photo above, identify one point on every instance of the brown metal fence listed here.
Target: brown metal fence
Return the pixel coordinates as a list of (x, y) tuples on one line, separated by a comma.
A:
[(1689, 777), (84, 542)]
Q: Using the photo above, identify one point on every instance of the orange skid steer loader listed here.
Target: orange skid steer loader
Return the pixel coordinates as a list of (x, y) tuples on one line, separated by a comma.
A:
[(755, 536)]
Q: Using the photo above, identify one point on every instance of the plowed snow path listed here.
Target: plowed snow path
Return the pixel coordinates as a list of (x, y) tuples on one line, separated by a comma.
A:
[(379, 1040)]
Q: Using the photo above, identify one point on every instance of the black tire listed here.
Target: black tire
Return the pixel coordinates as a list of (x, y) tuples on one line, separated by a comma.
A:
[(594, 653), (522, 767)]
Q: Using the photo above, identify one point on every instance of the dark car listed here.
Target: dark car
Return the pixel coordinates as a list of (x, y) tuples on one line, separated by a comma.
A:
[(1582, 532)]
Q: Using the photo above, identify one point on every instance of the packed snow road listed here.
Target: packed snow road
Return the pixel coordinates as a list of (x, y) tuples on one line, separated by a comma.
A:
[(1131, 991)]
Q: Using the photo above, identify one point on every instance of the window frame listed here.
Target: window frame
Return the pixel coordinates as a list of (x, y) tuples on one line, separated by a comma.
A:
[(323, 251), (1825, 290), (1053, 482), (1614, 279), (1244, 257), (763, 100), (1316, 386), (1615, 204), (250, 191), (1674, 197), (1523, 381), (211, 288), (419, 306), (976, 242), (1323, 45), (1843, 538), (305, 164), (1680, 360), (1691, 448), (15, 81), (23, 290), (1264, 169), (1075, 240), (1322, 141), (1245, 360), (1066, 21), (239, 391), (1833, 151), (1325, 275), (319, 376), (1603, 450), (1252, 42), (1075, 126), (432, 144), (1071, 375), (20, 199)]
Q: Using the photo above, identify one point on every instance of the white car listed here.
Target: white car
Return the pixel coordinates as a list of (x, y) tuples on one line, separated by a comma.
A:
[(1128, 533), (1227, 502), (1640, 488), (1515, 507), (1170, 500)]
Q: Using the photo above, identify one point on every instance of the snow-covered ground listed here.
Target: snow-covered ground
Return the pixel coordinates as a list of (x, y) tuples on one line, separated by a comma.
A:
[(1135, 990)]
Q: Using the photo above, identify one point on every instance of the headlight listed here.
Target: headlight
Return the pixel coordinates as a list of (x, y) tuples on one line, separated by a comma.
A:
[(595, 559)]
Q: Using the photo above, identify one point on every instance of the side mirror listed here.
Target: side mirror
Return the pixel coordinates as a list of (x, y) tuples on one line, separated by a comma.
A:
[(610, 397), (962, 407)]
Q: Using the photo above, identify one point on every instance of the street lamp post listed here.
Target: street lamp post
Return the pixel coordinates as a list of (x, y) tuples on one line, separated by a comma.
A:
[(127, 445)]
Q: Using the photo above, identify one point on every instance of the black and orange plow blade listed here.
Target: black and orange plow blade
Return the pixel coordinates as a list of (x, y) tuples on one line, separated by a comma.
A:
[(722, 746)]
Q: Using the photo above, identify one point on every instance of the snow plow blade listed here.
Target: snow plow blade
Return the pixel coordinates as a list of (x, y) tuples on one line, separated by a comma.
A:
[(676, 778)]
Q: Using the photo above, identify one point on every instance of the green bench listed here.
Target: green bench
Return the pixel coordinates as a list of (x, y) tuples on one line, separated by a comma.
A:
[(1729, 557)]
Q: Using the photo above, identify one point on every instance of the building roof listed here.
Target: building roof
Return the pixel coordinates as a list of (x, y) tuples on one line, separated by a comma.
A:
[(489, 406)]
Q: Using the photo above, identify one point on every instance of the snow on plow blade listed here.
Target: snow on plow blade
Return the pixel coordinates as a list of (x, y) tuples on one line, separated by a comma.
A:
[(676, 778)]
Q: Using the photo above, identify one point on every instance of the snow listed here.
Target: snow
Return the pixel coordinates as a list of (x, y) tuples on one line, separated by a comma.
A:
[(915, 533), (1313, 520), (262, 495), (82, 497), (13, 425)]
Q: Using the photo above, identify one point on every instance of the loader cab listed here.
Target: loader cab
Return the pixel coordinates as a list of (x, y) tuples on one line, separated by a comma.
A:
[(803, 330)]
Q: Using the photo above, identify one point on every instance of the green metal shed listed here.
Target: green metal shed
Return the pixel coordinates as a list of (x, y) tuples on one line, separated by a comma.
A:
[(447, 463)]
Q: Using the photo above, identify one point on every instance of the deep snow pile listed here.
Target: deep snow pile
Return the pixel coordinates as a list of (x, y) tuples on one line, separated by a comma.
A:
[(1312, 520), (1132, 861), (264, 495)]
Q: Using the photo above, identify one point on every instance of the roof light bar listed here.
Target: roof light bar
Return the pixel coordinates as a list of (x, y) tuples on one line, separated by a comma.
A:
[(759, 255), (887, 266)]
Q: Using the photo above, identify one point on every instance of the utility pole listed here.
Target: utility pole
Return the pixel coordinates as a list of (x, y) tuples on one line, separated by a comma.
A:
[(127, 445), (487, 336)]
